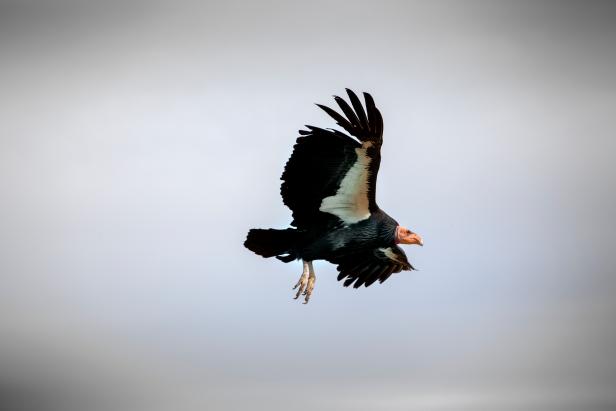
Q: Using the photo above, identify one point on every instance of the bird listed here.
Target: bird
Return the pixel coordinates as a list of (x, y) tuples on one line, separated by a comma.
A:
[(329, 184)]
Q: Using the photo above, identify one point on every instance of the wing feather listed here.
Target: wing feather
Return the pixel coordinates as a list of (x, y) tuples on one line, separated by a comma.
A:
[(331, 177), (342, 122), (375, 120), (376, 274), (365, 268), (349, 113), (363, 120)]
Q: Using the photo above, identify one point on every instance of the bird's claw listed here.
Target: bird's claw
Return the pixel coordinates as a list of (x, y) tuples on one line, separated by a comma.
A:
[(305, 284), (303, 281), (309, 288)]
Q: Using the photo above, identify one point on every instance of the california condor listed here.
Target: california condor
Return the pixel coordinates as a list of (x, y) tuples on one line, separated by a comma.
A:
[(329, 183)]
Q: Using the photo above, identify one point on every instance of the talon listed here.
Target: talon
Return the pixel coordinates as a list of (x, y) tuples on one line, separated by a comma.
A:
[(309, 288), (299, 292), (305, 283)]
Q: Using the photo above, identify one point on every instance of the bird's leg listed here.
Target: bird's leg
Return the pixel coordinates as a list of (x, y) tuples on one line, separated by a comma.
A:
[(303, 280), (312, 278)]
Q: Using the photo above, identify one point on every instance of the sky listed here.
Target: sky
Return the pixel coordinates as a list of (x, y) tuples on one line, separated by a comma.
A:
[(139, 141)]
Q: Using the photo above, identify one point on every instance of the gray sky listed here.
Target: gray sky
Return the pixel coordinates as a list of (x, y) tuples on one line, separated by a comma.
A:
[(140, 141)]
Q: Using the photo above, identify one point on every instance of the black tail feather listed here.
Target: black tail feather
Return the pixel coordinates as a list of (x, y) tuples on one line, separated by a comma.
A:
[(273, 243)]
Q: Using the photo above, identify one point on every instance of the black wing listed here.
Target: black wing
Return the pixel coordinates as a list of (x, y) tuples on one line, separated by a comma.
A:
[(331, 177), (369, 266)]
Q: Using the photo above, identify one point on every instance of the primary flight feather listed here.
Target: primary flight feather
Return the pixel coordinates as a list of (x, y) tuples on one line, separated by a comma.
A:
[(329, 183)]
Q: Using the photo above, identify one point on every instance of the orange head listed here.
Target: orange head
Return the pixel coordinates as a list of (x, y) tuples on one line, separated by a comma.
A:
[(406, 236)]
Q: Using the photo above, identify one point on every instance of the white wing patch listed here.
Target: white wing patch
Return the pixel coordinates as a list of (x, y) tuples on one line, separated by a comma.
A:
[(350, 203), (389, 253)]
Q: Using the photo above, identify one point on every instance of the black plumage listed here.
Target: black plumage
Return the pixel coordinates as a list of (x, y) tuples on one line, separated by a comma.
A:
[(329, 184)]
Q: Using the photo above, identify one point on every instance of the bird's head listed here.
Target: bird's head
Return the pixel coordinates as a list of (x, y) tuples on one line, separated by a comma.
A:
[(406, 236)]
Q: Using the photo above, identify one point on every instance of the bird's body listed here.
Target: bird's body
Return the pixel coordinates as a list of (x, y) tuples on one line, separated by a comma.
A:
[(378, 230), (329, 183)]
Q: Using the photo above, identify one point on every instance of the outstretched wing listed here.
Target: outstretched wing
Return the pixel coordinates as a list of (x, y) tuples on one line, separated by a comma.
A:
[(366, 267), (331, 177)]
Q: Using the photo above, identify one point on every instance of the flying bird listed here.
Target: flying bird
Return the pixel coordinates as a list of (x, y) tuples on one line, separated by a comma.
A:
[(329, 183)]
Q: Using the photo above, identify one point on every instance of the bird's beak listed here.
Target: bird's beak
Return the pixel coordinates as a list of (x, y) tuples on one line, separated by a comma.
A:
[(416, 239), (412, 238)]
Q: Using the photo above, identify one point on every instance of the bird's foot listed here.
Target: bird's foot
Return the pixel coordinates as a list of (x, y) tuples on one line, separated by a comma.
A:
[(305, 284), (308, 291), (303, 281)]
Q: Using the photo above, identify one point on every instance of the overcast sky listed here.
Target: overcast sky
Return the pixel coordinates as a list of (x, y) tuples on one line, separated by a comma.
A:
[(139, 141)]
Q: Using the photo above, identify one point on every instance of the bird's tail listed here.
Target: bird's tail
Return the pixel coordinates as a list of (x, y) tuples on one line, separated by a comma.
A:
[(273, 243)]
